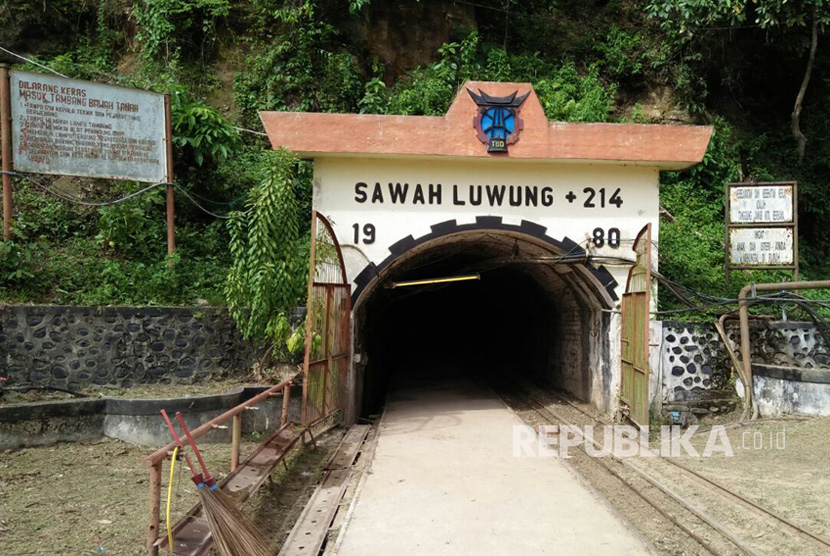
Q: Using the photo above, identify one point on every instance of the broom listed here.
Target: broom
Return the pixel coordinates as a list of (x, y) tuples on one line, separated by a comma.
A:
[(233, 533)]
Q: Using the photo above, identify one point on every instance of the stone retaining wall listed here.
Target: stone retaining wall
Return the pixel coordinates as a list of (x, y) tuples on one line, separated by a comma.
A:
[(697, 372), (73, 347), (695, 366)]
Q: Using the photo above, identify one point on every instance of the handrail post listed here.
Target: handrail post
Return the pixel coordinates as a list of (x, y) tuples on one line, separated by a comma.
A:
[(155, 508), (235, 438), (286, 400)]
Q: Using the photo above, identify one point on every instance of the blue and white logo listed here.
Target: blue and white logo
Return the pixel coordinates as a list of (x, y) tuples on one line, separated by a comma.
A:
[(497, 121)]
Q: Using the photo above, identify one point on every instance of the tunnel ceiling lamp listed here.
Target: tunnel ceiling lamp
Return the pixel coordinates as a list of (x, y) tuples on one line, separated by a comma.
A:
[(431, 281)]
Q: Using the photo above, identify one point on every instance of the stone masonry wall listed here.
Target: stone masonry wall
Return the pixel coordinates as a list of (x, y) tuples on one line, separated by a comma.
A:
[(697, 369), (792, 344), (73, 347)]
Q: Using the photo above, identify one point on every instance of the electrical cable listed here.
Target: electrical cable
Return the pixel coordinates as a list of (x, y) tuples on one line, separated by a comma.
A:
[(224, 203), (203, 209), (251, 131), (72, 199), (16, 55)]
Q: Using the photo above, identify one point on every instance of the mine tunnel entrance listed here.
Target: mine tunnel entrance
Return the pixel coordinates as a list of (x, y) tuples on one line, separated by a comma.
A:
[(535, 312)]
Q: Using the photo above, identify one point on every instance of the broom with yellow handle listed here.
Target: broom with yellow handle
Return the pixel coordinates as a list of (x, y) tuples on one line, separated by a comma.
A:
[(233, 533)]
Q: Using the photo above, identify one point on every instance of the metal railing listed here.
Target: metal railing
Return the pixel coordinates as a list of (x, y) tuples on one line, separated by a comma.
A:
[(155, 461)]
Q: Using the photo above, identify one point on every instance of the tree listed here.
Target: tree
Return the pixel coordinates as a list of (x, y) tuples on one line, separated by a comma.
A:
[(682, 17)]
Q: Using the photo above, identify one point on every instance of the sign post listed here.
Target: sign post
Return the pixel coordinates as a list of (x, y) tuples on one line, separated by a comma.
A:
[(170, 200), (6, 132), (761, 227)]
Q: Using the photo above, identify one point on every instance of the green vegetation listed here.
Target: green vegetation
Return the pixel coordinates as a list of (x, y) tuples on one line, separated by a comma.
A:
[(267, 275), (739, 65)]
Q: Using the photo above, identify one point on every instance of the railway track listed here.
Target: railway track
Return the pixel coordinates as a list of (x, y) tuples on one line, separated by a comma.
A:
[(677, 509)]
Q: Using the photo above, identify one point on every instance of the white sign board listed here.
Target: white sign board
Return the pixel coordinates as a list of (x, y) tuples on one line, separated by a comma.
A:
[(374, 203), (761, 203), (761, 223), (761, 246), (79, 128)]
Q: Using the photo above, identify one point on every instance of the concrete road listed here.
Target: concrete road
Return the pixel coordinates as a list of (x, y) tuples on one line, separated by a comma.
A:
[(444, 481)]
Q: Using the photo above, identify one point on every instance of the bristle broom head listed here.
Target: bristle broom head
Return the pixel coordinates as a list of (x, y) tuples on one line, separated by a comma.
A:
[(233, 533)]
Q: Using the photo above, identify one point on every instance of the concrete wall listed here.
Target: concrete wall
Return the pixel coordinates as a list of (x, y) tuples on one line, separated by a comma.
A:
[(73, 347)]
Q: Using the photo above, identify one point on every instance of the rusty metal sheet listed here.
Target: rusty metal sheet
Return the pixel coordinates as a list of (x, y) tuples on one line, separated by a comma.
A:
[(761, 246), (634, 308), (349, 447), (79, 128), (191, 535), (311, 529), (760, 203), (328, 325)]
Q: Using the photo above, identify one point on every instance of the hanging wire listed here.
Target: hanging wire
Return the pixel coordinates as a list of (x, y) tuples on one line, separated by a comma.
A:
[(186, 193), (72, 199), (34, 63), (251, 131), (225, 203)]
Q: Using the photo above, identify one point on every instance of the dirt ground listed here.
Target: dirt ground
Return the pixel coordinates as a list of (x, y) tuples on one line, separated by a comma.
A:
[(72, 499), (780, 465)]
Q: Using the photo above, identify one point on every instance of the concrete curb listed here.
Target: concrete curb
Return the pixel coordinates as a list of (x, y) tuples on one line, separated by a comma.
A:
[(133, 420)]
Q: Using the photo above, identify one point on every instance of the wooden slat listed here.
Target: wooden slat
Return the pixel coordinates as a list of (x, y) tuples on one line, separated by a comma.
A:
[(310, 531)]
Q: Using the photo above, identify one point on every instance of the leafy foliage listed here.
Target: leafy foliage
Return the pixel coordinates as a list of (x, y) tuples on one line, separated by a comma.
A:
[(134, 227), (588, 61), (264, 282), (204, 135), (685, 16), (621, 53), (302, 67), (564, 93), (569, 97), (165, 27)]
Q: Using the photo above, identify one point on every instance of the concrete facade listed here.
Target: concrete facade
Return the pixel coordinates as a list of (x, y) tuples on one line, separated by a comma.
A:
[(403, 193)]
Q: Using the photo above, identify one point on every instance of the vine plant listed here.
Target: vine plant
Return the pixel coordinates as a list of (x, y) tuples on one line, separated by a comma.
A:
[(265, 282)]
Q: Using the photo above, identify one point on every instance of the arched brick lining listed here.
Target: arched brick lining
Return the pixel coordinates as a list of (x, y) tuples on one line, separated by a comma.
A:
[(442, 229)]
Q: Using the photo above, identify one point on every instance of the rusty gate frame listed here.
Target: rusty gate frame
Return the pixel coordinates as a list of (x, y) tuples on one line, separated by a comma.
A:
[(634, 336), (328, 320)]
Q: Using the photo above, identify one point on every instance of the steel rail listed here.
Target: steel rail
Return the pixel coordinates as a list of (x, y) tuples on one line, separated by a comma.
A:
[(542, 410), (697, 538), (816, 537)]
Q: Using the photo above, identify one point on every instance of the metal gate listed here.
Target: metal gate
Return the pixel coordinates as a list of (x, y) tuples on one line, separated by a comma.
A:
[(328, 320), (636, 302)]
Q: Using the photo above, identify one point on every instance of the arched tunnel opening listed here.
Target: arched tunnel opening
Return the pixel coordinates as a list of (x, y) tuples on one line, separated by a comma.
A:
[(534, 313)]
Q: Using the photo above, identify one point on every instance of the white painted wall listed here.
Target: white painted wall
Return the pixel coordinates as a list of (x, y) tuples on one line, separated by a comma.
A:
[(335, 196)]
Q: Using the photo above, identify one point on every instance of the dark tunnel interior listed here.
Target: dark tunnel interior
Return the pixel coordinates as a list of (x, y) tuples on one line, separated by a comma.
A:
[(502, 325), (474, 328)]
